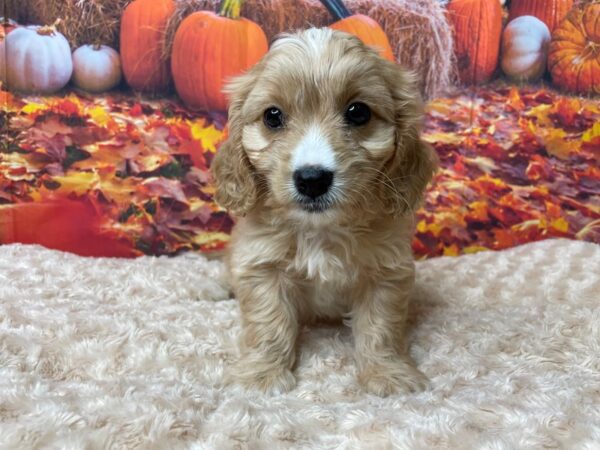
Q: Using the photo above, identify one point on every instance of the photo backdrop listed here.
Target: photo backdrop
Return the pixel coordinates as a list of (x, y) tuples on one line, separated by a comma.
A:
[(106, 141)]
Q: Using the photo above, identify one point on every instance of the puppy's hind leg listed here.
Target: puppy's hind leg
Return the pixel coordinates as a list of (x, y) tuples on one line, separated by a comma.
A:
[(268, 303)]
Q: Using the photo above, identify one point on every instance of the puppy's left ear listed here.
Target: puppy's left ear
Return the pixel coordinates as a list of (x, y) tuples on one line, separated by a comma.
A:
[(414, 161), (234, 176)]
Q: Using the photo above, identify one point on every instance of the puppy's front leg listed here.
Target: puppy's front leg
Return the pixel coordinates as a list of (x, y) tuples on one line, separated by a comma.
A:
[(378, 325), (268, 303)]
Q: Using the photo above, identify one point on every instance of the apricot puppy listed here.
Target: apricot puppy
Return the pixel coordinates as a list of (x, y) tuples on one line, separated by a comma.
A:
[(323, 168)]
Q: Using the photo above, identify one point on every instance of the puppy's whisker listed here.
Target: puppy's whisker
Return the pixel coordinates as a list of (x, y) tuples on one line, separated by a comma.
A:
[(392, 185)]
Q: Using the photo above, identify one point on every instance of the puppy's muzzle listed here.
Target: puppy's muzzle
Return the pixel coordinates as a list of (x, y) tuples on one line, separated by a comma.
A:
[(313, 181)]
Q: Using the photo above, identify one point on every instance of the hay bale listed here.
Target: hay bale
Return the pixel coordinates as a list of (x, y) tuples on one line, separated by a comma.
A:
[(418, 31), (14, 9), (82, 21), (421, 38)]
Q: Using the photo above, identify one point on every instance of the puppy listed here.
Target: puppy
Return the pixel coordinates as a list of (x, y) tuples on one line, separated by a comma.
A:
[(323, 167)]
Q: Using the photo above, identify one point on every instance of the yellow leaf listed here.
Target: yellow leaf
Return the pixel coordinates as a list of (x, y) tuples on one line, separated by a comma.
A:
[(120, 190), (590, 134), (210, 237), (557, 145), (99, 116), (541, 113), (474, 249), (443, 138), (495, 181), (439, 106), (560, 224), (78, 183), (30, 108), (451, 251), (480, 210), (208, 136), (434, 228)]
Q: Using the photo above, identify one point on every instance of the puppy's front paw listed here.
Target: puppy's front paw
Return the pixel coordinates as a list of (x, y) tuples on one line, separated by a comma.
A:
[(271, 381), (392, 378)]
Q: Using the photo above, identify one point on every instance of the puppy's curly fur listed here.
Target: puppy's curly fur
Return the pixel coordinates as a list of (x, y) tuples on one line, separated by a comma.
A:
[(352, 256)]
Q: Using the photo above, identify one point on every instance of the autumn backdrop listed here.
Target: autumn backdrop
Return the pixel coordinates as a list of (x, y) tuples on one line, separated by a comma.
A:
[(106, 141)]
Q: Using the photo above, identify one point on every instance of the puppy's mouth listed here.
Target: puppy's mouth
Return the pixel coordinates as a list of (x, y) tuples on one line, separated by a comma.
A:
[(316, 205)]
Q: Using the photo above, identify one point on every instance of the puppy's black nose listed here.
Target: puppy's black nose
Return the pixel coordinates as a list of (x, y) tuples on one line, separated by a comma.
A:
[(312, 181)]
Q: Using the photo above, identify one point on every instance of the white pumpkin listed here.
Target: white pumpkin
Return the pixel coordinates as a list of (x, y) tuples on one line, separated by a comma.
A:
[(96, 68), (525, 42), (36, 60)]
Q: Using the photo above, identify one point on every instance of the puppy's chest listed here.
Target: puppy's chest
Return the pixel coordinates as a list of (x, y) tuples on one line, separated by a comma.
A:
[(330, 271), (325, 259)]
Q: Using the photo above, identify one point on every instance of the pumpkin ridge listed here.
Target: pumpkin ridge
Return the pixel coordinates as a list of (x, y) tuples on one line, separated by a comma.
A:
[(223, 55), (478, 34), (596, 27), (567, 55), (202, 43), (29, 64)]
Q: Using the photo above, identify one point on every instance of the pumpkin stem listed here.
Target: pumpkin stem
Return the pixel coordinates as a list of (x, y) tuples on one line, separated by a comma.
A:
[(336, 8), (230, 8), (49, 30)]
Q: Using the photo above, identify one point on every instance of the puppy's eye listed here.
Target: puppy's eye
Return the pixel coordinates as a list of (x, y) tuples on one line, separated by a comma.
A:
[(273, 118), (357, 114)]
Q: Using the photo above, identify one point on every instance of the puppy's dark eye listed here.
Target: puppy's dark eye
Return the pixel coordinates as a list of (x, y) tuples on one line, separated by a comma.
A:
[(273, 118), (357, 114)]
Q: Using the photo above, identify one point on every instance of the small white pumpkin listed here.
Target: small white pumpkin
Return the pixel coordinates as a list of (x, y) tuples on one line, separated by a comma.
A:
[(525, 42), (36, 60), (96, 68)]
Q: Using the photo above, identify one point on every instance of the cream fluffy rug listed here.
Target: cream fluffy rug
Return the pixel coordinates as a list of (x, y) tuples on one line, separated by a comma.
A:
[(101, 353)]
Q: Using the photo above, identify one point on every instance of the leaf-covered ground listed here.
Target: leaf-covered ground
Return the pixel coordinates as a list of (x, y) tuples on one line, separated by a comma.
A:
[(516, 166)]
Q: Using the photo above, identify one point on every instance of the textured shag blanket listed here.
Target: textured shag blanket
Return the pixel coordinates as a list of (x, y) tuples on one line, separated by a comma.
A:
[(107, 353)]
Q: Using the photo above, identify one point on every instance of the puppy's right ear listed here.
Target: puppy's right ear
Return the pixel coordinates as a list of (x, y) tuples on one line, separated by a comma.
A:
[(234, 175)]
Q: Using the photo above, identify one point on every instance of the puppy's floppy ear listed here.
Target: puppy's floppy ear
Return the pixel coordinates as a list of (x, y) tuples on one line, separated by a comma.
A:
[(234, 175), (414, 161)]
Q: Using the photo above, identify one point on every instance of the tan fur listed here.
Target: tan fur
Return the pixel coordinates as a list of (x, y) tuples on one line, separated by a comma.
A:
[(353, 260)]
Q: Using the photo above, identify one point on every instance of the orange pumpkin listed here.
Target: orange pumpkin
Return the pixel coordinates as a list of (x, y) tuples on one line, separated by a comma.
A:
[(477, 29), (361, 26), (210, 48), (574, 55), (551, 12), (143, 26)]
